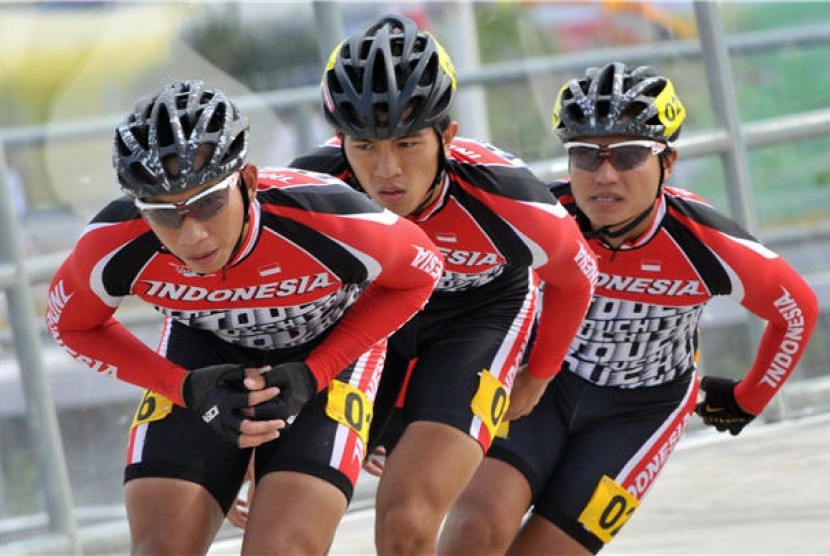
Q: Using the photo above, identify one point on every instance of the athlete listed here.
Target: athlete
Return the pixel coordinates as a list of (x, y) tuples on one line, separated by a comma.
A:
[(387, 91), (595, 443), (278, 288)]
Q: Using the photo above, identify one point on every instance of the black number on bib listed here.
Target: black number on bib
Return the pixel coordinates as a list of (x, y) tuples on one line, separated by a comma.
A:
[(354, 411), (147, 406), (608, 510)]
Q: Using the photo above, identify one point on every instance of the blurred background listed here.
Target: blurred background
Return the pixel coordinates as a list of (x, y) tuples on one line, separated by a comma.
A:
[(756, 143)]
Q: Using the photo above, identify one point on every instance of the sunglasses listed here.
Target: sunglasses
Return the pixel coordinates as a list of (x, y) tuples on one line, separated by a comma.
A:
[(202, 206), (622, 156)]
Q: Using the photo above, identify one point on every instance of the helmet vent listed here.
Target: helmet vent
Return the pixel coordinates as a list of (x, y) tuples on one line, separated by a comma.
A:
[(603, 109), (140, 135), (120, 147), (236, 149), (430, 73), (139, 172), (164, 131), (217, 120), (187, 124), (379, 81)]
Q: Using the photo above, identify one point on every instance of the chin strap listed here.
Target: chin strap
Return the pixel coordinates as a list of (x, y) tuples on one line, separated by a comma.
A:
[(439, 174), (606, 232), (246, 205)]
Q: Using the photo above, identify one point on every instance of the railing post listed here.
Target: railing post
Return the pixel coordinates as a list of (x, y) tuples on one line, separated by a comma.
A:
[(41, 419), (721, 83)]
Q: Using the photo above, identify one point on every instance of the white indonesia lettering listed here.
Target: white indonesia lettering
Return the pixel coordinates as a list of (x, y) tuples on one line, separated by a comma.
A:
[(58, 299), (645, 476), (651, 286), (783, 360), (587, 264), (428, 262), (284, 288), (469, 258)]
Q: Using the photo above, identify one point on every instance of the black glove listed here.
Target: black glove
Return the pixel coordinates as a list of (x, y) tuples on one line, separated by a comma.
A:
[(297, 385), (719, 408), (217, 395)]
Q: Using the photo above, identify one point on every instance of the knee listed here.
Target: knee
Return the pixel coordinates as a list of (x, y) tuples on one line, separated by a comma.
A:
[(156, 545), (469, 530), (406, 529), (295, 543)]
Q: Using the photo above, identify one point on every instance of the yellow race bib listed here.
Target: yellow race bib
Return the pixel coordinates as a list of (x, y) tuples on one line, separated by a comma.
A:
[(490, 402), (153, 407), (608, 510), (349, 406)]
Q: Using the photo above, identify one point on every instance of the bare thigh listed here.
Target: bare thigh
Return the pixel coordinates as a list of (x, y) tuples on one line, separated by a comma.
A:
[(429, 467), (293, 513), (539, 534), (171, 516), (489, 512)]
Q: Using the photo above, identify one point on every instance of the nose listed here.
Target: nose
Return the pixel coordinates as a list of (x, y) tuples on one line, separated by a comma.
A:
[(387, 164), (191, 231), (606, 171)]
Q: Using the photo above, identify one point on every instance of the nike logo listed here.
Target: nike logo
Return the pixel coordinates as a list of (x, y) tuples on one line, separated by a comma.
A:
[(714, 409)]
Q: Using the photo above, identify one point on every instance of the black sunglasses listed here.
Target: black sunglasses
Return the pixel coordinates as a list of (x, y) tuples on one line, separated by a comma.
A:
[(623, 156)]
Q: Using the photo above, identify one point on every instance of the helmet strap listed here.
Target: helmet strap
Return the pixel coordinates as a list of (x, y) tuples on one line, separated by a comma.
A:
[(439, 173), (351, 178), (246, 217)]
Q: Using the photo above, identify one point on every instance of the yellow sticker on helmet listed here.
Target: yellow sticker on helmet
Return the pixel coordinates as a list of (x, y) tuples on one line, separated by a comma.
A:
[(153, 407), (556, 115), (333, 57), (608, 510), (444, 60), (349, 406), (490, 402), (670, 110)]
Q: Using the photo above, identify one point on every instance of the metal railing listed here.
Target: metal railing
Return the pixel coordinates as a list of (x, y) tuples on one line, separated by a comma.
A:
[(731, 142)]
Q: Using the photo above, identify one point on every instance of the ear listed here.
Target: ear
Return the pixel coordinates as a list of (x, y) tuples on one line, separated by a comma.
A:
[(449, 134), (669, 158), (249, 178)]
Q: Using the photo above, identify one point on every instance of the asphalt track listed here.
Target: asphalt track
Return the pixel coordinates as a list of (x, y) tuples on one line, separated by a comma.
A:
[(766, 492)]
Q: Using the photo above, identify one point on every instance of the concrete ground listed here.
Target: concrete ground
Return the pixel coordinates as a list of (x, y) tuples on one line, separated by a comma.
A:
[(766, 491)]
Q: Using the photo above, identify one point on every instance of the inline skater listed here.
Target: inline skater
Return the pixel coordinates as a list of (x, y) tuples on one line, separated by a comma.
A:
[(278, 289), (593, 446), (387, 91)]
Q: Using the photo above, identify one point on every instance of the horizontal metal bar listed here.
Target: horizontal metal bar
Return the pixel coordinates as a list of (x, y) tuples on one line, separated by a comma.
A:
[(501, 72)]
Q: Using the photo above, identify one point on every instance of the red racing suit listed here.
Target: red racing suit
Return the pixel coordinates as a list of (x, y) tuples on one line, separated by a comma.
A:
[(493, 216), (608, 423), (496, 226), (316, 255), (641, 327)]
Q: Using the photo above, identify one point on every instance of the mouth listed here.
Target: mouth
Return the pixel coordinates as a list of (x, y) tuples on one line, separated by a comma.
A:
[(391, 194), (606, 199), (204, 258)]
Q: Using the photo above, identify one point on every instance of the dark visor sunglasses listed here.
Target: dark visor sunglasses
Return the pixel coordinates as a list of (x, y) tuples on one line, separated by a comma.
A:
[(202, 206), (623, 156)]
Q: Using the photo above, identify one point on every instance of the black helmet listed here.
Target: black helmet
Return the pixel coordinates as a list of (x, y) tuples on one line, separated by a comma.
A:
[(614, 100), (374, 76), (179, 121)]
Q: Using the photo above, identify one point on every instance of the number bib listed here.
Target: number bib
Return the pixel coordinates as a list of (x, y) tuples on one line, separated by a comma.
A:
[(349, 406), (608, 510), (153, 407), (490, 402)]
